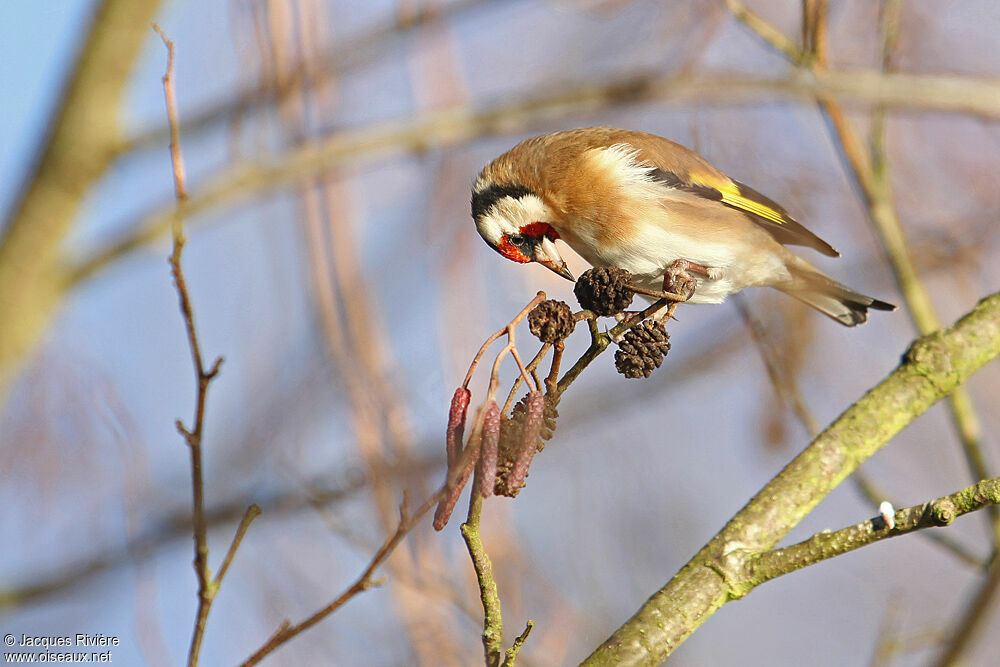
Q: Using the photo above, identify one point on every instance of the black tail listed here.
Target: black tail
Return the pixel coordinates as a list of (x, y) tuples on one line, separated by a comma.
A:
[(829, 297)]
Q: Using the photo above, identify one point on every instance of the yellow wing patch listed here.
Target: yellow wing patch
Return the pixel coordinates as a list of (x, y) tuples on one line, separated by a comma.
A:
[(732, 195), (739, 201)]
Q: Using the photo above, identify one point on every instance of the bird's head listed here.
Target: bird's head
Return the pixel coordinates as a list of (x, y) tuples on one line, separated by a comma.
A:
[(514, 221)]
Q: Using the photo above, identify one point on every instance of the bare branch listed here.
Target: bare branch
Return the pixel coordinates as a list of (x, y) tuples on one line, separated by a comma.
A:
[(207, 587)]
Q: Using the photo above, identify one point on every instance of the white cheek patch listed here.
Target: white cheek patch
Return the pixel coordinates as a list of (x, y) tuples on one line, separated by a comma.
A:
[(508, 215), (490, 228)]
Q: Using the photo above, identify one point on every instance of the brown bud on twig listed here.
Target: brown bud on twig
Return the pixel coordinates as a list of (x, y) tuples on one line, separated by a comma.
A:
[(534, 419), (489, 453), (456, 423), (551, 321), (642, 349), (604, 290)]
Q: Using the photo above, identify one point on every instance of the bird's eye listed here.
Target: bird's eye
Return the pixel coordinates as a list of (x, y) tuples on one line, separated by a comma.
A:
[(516, 239)]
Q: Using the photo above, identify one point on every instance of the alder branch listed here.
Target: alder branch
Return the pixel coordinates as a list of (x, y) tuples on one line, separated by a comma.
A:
[(932, 368), (785, 386), (553, 324), (745, 571)]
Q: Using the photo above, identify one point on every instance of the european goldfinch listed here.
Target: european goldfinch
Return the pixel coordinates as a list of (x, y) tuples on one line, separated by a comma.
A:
[(646, 204)]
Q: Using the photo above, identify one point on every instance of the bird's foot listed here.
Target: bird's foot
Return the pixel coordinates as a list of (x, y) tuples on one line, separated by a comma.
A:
[(678, 280)]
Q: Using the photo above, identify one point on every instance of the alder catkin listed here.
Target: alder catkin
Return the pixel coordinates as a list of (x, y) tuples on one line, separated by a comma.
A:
[(534, 419), (489, 452), (456, 424)]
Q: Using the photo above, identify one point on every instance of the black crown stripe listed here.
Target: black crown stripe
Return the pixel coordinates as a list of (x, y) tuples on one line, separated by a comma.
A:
[(484, 200)]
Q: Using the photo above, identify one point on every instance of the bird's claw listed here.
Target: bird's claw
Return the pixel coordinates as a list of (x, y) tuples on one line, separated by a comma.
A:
[(678, 280)]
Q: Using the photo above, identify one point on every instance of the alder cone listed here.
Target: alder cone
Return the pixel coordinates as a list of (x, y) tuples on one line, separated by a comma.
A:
[(604, 290)]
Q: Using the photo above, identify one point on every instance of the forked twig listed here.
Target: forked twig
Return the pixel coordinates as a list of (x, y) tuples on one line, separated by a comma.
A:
[(207, 586)]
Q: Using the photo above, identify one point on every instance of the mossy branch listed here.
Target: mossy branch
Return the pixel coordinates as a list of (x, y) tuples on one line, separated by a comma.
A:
[(745, 573), (932, 368)]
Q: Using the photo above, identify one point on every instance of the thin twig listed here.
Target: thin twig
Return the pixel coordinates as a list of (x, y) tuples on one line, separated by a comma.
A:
[(505, 330), (875, 496), (252, 513), (511, 655), (532, 365), (207, 587)]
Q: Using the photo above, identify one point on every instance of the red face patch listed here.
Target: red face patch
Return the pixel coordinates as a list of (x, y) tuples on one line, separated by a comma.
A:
[(512, 252), (533, 231), (539, 229)]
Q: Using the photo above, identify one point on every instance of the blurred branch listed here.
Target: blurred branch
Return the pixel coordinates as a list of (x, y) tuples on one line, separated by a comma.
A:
[(287, 631), (462, 124), (351, 54), (354, 336), (872, 174), (871, 171), (764, 30), (207, 586), (164, 530), (970, 623), (933, 367), (83, 136)]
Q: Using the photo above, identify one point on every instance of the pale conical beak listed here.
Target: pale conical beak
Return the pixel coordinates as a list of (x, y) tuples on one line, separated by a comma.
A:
[(549, 257)]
